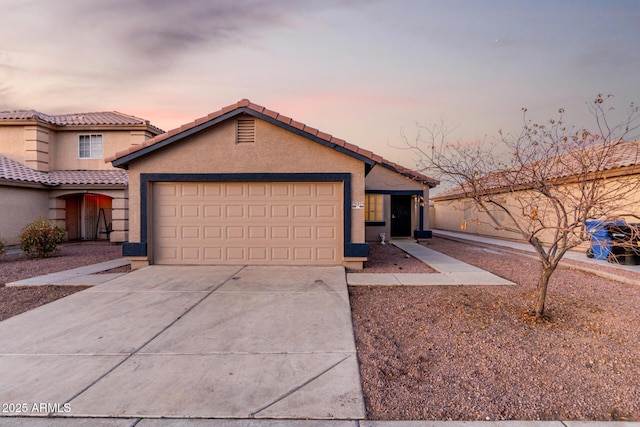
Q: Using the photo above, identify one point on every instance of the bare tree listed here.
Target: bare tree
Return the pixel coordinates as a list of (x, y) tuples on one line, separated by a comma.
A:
[(545, 182)]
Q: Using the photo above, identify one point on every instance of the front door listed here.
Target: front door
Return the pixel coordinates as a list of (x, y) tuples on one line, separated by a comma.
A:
[(400, 216)]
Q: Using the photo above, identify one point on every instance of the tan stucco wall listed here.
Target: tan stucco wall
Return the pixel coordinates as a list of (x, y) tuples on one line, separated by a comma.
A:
[(66, 148), (275, 151), (12, 143), (19, 207), (381, 178), (48, 148)]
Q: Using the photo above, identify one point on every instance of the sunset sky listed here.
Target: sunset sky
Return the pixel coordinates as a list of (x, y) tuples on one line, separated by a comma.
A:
[(363, 71)]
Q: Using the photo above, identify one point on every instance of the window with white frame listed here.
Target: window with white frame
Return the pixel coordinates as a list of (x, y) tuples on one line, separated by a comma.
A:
[(373, 207), (90, 146)]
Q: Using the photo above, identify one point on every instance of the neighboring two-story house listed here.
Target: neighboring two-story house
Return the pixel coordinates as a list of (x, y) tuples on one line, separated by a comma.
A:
[(52, 166)]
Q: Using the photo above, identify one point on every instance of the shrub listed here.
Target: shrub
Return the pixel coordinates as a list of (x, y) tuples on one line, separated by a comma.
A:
[(41, 238), (3, 246)]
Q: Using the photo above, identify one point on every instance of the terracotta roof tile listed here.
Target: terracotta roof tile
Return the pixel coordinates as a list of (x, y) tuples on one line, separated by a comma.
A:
[(351, 147), (284, 119), (324, 136), (14, 171), (377, 158), (201, 120), (365, 153), (338, 141), (309, 129), (271, 114), (297, 125), (256, 107)]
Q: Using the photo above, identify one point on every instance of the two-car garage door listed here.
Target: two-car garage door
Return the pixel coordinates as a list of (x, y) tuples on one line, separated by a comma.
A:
[(247, 223)]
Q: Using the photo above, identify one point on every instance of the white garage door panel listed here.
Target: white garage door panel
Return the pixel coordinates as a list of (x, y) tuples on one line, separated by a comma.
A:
[(253, 223)]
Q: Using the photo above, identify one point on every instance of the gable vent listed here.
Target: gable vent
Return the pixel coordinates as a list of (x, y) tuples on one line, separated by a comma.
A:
[(245, 131)]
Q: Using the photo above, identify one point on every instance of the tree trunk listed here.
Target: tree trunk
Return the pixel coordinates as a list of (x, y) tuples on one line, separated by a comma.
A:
[(541, 292)]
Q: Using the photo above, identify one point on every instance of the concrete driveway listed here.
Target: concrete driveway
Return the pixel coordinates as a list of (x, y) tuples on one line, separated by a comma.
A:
[(205, 342)]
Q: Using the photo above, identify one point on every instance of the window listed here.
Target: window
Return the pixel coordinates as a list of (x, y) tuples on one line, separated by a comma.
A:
[(90, 147), (373, 207), (245, 131)]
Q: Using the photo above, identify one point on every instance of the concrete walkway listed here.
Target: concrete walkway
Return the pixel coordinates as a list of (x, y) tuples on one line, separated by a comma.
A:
[(451, 271), (77, 276), (185, 342), (574, 255)]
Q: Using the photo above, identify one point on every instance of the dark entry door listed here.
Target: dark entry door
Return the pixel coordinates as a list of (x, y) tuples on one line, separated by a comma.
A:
[(400, 216)]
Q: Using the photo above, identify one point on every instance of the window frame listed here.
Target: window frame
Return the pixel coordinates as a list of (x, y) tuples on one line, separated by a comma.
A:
[(92, 148), (378, 209)]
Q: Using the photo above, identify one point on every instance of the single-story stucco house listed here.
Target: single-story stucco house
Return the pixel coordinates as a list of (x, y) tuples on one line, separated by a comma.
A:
[(619, 168), (52, 167), (247, 185)]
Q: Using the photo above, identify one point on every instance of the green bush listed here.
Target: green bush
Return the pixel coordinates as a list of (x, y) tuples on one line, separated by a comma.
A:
[(41, 238), (3, 246)]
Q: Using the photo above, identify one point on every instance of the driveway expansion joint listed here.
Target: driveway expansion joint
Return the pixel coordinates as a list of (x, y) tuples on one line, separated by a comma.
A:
[(298, 387)]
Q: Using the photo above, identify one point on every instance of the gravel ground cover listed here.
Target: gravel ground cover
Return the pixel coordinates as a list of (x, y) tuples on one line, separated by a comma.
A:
[(18, 299), (474, 353), (391, 259)]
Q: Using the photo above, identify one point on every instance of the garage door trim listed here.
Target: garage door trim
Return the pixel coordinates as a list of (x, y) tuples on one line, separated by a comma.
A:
[(147, 179)]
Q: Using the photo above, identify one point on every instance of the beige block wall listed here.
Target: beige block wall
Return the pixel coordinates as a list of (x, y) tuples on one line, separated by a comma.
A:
[(19, 207), (275, 151)]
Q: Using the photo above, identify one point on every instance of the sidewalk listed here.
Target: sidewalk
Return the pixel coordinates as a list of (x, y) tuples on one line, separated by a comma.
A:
[(591, 265), (450, 271), (212, 422), (81, 276)]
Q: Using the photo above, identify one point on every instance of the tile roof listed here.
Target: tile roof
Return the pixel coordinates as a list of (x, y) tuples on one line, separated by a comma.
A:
[(14, 171), (104, 118), (245, 105), (606, 156)]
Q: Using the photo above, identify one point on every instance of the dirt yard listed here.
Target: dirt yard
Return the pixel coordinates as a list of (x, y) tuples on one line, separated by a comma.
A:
[(473, 352), (16, 300)]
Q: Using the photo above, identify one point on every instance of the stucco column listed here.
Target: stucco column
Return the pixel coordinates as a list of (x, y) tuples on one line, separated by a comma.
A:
[(58, 211), (120, 218)]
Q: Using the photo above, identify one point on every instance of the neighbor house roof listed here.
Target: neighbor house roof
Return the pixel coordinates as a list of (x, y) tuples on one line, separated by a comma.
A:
[(244, 106), (14, 171), (616, 155), (104, 118)]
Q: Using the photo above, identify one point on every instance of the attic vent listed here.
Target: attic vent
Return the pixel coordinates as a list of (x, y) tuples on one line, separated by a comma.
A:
[(245, 131)]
